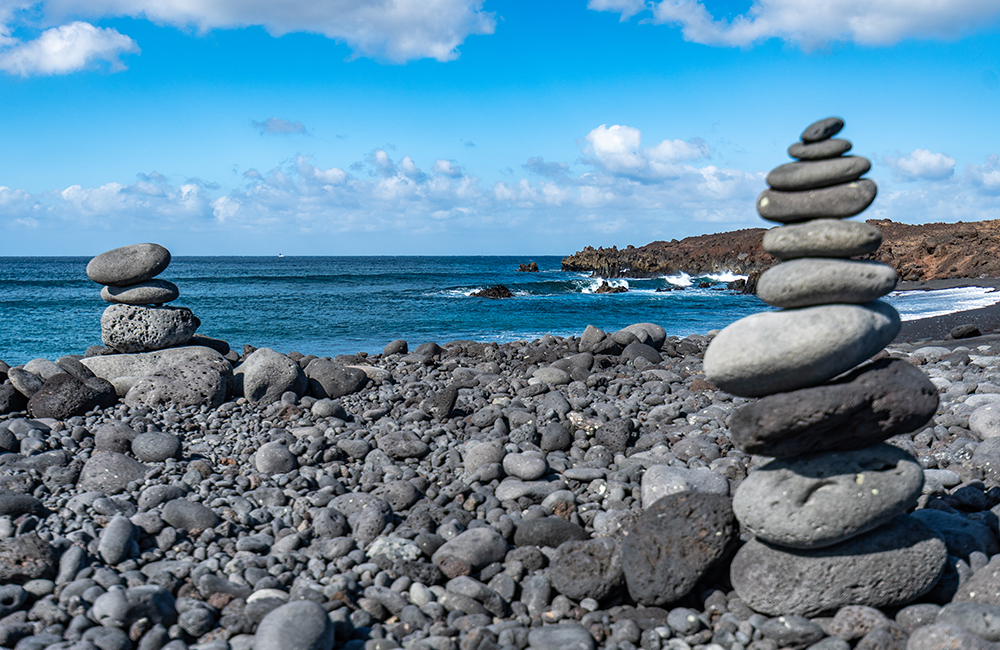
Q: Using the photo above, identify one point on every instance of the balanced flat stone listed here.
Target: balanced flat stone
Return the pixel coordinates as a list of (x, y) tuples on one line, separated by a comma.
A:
[(131, 328), (820, 500), (819, 150), (822, 238), (890, 566), (836, 202), (808, 175), (150, 292), (875, 402), (128, 265), (774, 352), (819, 281), (822, 129), (124, 370)]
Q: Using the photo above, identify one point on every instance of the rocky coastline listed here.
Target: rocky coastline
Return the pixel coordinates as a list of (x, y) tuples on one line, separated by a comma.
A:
[(461, 496), (918, 253)]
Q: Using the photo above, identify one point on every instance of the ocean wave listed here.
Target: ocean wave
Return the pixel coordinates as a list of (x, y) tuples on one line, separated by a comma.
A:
[(594, 284), (913, 305)]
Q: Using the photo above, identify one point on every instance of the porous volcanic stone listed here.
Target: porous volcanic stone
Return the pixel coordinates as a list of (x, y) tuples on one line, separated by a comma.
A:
[(819, 150), (587, 569), (131, 328), (836, 202), (64, 396), (773, 352), (660, 480), (822, 238), (822, 129), (109, 472), (548, 531), (818, 281), (124, 370), (673, 543), (180, 386), (26, 557), (265, 375), (809, 175), (815, 501), (329, 379), (128, 265), (150, 292), (890, 566), (873, 403)]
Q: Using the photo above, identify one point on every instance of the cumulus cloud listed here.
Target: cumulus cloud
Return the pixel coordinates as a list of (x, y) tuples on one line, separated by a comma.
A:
[(279, 126), (398, 31), (618, 150), (65, 49), (921, 164), (985, 177), (811, 24)]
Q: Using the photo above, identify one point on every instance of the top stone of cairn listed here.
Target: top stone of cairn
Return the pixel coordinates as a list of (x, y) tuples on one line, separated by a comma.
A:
[(822, 130), (128, 265)]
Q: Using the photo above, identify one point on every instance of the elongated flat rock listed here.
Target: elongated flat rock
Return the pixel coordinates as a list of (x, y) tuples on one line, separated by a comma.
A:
[(127, 265), (779, 351), (820, 281), (819, 150), (892, 565), (836, 202), (132, 328), (874, 402), (150, 292), (820, 500), (822, 238), (807, 175), (822, 129)]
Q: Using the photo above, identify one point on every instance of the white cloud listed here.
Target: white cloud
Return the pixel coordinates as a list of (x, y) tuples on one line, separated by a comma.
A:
[(617, 150), (65, 49), (985, 177), (922, 164), (811, 24), (397, 30)]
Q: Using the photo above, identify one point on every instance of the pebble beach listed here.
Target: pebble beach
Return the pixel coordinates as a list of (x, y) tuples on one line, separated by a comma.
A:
[(822, 476)]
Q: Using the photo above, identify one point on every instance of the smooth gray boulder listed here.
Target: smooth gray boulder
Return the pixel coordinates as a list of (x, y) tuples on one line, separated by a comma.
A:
[(470, 551), (822, 238), (773, 352), (127, 265), (809, 175), (150, 292), (819, 150), (124, 370), (132, 328), (656, 334), (820, 500), (981, 619), (822, 129), (110, 472), (661, 480), (43, 368), (181, 386), (64, 396), (24, 382), (891, 565), (817, 281), (985, 421), (265, 375), (328, 379), (298, 625), (836, 202)]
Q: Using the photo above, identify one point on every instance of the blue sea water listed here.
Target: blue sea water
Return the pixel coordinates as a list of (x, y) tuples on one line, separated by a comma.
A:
[(338, 305)]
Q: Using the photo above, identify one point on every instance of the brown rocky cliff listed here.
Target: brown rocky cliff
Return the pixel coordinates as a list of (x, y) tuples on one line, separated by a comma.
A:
[(917, 252)]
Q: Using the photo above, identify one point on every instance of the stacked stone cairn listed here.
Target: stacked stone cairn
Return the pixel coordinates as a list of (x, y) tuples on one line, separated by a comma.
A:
[(137, 320), (827, 504)]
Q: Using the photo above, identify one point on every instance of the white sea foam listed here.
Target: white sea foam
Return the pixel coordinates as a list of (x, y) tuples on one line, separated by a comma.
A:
[(725, 276), (912, 305), (595, 283), (681, 279)]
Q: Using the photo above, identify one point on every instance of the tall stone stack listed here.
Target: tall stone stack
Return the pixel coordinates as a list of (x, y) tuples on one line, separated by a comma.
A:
[(827, 511), (137, 320)]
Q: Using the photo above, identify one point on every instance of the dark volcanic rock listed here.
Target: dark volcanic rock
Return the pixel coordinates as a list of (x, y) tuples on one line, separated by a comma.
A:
[(587, 569), (26, 557), (607, 288), (10, 399), (548, 531), (673, 543), (333, 380), (819, 150), (110, 472), (64, 396), (530, 267), (889, 566), (498, 291), (873, 403), (822, 129)]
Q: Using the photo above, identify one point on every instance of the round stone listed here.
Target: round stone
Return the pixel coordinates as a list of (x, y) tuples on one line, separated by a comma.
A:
[(587, 569), (128, 265), (274, 458), (985, 421), (115, 540), (822, 129), (890, 566), (819, 150), (816, 501), (779, 351), (817, 281), (332, 380), (836, 202), (150, 292), (527, 466), (131, 328), (186, 385), (298, 625), (181, 513), (548, 531), (561, 636), (822, 238), (64, 396), (110, 472), (798, 176), (552, 376), (265, 375), (981, 619)]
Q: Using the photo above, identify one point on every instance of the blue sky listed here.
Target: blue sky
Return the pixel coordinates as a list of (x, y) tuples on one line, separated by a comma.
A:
[(425, 127)]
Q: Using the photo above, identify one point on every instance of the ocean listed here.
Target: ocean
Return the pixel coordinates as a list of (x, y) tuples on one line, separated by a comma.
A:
[(344, 305)]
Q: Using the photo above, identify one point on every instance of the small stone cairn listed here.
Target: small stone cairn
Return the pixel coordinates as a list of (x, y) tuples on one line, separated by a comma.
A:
[(137, 320), (827, 506)]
